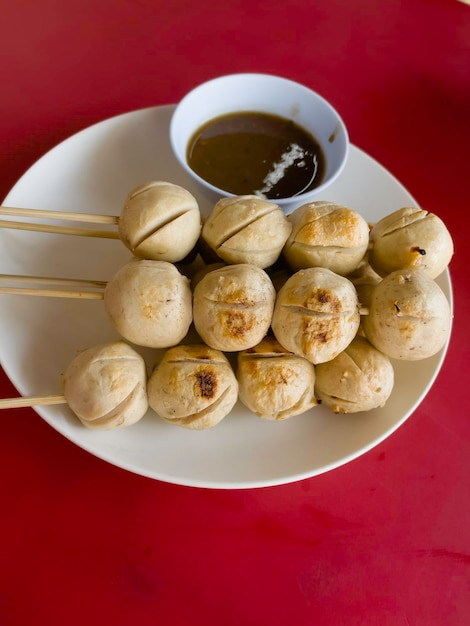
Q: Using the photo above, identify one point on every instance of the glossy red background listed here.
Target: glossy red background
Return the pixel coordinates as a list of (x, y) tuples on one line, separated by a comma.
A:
[(384, 540)]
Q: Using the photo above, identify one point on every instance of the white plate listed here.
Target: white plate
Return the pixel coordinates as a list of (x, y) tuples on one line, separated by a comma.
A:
[(93, 172)]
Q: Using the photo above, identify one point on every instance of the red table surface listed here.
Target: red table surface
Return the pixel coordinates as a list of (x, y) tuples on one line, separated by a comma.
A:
[(383, 540)]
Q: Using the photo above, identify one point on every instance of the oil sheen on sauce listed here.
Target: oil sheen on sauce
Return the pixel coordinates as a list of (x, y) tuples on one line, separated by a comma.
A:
[(257, 153)]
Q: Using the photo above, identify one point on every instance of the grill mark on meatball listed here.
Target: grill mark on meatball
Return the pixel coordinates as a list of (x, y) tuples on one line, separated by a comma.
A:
[(319, 331), (327, 225), (206, 383), (322, 297), (237, 323)]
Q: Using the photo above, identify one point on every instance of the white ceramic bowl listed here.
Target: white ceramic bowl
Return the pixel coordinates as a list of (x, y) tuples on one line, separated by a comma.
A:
[(268, 94)]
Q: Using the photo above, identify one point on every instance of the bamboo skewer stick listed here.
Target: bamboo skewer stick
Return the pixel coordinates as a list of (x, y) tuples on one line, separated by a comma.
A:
[(59, 230), (46, 280), (17, 403), (69, 216), (81, 287)]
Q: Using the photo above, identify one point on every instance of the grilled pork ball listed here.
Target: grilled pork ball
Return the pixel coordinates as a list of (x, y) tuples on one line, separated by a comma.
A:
[(149, 303), (410, 238), (359, 379), (409, 316), (316, 314), (273, 383), (160, 221), (106, 386), (193, 386), (232, 307), (246, 229), (325, 234)]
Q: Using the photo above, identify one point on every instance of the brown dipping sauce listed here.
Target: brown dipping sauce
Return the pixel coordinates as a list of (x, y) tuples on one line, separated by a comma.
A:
[(257, 153)]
